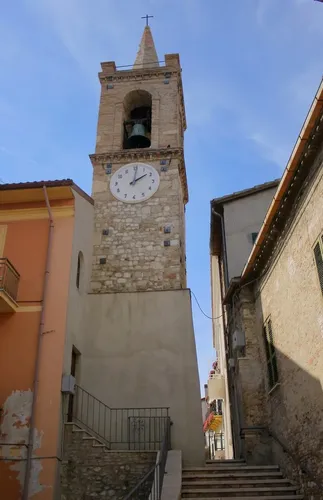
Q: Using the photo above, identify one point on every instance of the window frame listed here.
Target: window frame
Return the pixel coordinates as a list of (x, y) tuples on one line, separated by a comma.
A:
[(271, 356), (79, 270), (319, 265)]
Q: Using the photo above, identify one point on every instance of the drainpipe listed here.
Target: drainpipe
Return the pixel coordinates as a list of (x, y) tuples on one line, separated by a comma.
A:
[(25, 494), (224, 250)]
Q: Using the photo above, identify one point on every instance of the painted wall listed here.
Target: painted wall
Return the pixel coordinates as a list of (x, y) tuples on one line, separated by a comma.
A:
[(241, 218), (218, 386), (140, 352), (77, 297), (26, 246)]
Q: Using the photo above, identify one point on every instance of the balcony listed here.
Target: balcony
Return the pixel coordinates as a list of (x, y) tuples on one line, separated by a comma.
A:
[(216, 389), (9, 281)]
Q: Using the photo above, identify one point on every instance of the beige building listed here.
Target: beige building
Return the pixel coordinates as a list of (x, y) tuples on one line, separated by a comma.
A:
[(274, 321), (235, 222)]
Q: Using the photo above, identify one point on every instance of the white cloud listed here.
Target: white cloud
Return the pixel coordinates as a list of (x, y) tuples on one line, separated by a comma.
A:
[(270, 148)]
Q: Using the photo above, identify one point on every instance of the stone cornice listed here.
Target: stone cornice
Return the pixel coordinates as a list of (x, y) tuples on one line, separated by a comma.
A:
[(137, 74), (133, 155)]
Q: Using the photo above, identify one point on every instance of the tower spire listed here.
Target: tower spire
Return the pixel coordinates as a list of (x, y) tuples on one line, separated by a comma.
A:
[(146, 55)]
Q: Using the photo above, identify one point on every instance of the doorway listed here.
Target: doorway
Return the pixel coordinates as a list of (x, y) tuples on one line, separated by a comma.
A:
[(71, 398)]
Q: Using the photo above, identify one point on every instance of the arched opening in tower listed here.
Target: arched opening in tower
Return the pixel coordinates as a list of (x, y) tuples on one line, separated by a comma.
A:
[(137, 120)]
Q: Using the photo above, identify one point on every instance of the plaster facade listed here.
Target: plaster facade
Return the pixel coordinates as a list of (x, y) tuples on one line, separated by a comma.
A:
[(24, 214), (242, 214), (242, 217), (141, 353)]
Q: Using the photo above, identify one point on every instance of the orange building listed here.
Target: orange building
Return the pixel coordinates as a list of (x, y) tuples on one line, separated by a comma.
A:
[(45, 252)]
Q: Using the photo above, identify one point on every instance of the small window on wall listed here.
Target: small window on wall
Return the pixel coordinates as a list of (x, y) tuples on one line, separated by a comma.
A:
[(318, 256), (79, 271), (270, 354)]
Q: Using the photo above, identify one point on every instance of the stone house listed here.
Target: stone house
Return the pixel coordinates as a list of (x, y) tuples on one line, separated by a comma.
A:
[(235, 223), (274, 323)]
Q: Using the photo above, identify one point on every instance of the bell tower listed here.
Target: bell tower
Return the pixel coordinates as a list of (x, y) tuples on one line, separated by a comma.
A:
[(139, 348), (139, 178)]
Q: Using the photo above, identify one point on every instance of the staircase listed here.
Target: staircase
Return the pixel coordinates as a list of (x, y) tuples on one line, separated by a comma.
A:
[(234, 479)]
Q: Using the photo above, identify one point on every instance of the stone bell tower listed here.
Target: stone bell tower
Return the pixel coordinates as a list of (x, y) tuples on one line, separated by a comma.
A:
[(139, 347), (139, 234)]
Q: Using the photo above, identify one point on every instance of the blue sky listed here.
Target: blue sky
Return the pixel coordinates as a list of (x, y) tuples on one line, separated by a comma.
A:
[(250, 71)]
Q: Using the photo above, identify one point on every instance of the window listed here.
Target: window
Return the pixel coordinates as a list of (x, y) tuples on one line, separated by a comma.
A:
[(270, 354), (254, 237), (318, 255), (79, 270)]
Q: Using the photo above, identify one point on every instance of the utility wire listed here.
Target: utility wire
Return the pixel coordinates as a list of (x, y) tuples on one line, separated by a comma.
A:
[(209, 317)]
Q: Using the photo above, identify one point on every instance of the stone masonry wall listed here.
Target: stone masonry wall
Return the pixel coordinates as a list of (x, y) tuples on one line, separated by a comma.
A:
[(136, 256), (290, 294), (91, 471)]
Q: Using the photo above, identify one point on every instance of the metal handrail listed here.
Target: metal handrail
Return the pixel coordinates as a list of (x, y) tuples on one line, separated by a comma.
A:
[(152, 482), (9, 278), (9, 264), (118, 428), (292, 455), (296, 460)]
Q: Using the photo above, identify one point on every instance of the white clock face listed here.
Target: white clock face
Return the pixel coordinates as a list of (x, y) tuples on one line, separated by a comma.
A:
[(134, 182)]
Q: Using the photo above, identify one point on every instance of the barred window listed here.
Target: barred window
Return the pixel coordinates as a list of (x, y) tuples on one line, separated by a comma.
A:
[(270, 354), (318, 255)]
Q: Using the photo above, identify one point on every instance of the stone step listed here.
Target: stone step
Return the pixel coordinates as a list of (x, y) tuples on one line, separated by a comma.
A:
[(229, 484), (233, 492), (262, 497), (232, 469), (232, 476), (228, 461), (231, 461)]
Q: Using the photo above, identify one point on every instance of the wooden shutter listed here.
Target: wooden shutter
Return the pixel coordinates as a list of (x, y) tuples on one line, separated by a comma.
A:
[(319, 262)]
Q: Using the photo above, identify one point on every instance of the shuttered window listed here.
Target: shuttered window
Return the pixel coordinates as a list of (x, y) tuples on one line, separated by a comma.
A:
[(318, 255), (270, 354)]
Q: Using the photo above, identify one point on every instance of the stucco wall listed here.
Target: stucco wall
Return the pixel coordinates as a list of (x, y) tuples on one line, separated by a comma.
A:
[(140, 352), (290, 293), (18, 340), (241, 218), (82, 242)]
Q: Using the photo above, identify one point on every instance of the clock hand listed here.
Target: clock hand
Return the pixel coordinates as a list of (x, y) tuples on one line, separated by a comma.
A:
[(134, 177), (136, 180)]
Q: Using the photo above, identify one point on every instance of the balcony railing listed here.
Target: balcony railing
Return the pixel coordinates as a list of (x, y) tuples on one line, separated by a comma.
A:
[(9, 279)]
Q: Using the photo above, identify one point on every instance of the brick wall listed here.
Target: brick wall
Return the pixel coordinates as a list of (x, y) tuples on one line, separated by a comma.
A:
[(91, 471)]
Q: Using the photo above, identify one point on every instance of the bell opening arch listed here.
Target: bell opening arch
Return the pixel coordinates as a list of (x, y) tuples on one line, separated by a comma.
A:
[(137, 107)]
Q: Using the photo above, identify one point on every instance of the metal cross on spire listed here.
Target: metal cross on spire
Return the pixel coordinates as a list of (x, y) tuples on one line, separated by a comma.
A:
[(147, 17)]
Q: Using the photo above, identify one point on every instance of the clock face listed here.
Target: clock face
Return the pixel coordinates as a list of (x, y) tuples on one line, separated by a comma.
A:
[(134, 182)]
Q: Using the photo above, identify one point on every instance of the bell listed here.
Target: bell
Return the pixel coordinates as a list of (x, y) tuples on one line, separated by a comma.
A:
[(137, 138)]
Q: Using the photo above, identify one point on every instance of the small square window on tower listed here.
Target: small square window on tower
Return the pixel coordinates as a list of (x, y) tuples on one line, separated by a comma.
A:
[(103, 260), (254, 237), (167, 229), (108, 168), (167, 243)]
